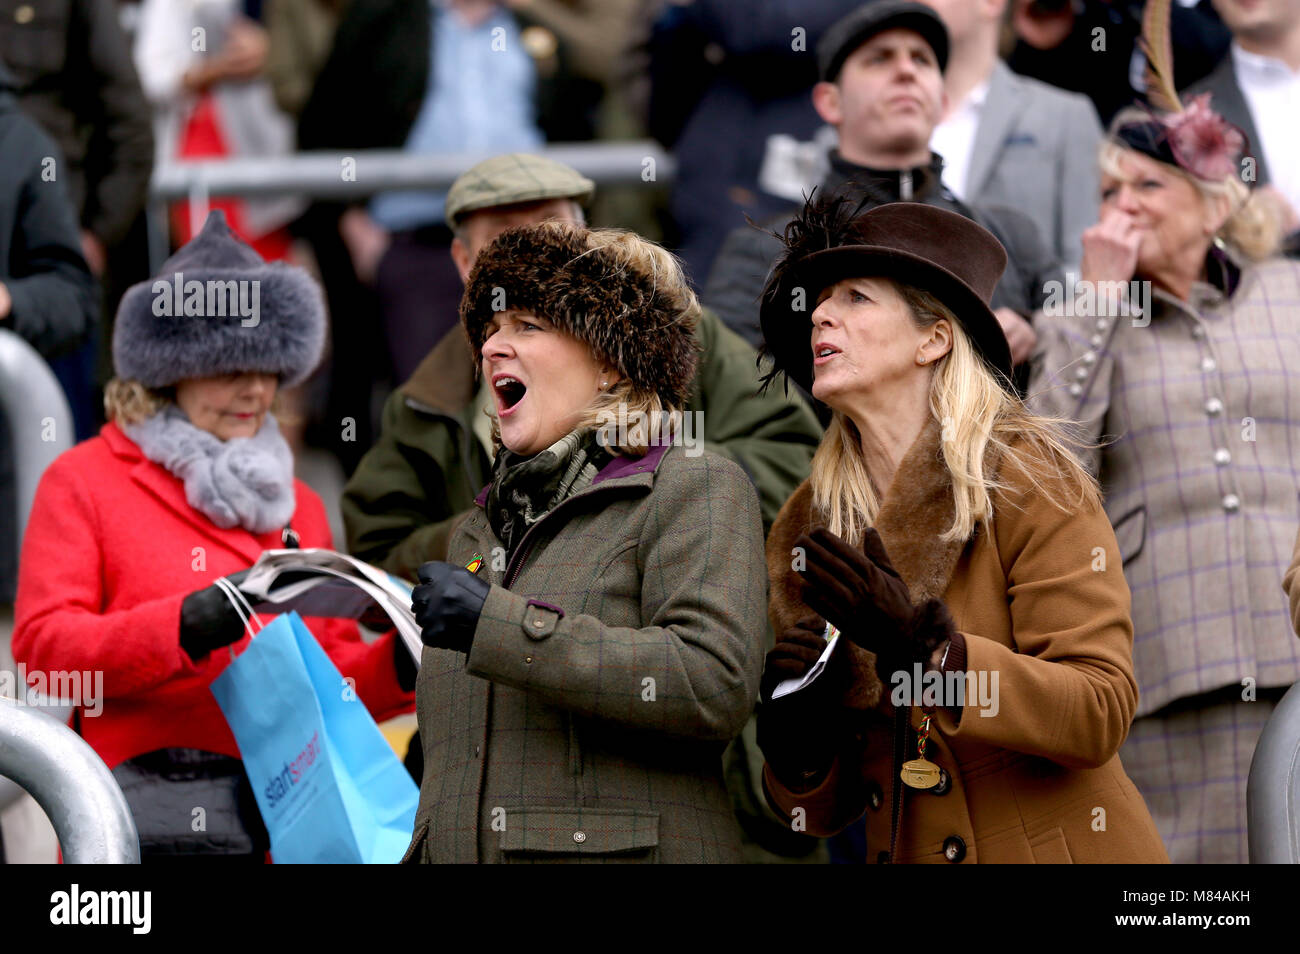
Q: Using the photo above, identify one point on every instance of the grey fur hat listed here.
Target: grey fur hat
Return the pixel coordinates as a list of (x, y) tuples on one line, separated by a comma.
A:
[(218, 308)]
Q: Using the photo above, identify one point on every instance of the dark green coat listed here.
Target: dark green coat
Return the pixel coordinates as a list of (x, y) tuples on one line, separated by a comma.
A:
[(422, 474), (588, 720)]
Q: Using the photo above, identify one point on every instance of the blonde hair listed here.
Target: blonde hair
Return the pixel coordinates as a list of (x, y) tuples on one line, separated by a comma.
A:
[(127, 401), (631, 252), (1254, 226), (978, 415)]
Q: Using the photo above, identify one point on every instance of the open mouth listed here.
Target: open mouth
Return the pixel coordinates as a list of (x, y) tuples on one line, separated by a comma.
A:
[(509, 391), (823, 353)]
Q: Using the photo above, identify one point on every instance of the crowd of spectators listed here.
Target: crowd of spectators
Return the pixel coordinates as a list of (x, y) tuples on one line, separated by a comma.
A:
[(1005, 107)]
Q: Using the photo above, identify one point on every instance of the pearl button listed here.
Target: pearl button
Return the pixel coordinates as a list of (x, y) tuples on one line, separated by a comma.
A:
[(579, 837), (1103, 324), (1222, 457), (1096, 341), (1198, 331), (1207, 364), (1213, 407), (1231, 503), (1076, 390), (1090, 357), (1081, 373)]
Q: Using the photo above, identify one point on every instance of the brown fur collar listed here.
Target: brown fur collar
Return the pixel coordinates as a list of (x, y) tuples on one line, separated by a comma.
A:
[(915, 511)]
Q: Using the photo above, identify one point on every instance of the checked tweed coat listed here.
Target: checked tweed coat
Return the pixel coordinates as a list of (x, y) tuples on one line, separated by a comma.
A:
[(588, 721), (1202, 481), (1202, 484)]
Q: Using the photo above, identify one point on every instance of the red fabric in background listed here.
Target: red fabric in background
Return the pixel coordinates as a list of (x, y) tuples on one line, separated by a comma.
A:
[(202, 139)]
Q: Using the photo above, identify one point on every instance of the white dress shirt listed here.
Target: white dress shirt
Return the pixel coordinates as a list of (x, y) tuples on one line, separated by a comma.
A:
[(1272, 91), (954, 139)]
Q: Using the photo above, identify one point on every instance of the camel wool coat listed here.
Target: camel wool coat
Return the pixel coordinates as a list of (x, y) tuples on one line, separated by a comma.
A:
[(1032, 776)]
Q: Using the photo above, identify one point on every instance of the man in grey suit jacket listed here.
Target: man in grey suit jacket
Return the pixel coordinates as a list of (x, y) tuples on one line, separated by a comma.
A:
[(1012, 141), (1257, 88)]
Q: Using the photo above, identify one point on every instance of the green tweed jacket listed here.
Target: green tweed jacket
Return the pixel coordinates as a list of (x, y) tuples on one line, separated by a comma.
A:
[(618, 652)]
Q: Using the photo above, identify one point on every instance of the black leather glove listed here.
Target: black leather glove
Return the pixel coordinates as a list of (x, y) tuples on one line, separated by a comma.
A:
[(209, 620), (797, 732), (863, 595), (447, 604)]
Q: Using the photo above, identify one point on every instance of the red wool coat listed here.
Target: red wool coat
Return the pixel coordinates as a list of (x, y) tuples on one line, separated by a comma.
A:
[(111, 550)]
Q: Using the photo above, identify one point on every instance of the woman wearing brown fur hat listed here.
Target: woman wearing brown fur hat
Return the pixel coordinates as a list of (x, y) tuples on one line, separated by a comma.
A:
[(596, 638), (981, 682)]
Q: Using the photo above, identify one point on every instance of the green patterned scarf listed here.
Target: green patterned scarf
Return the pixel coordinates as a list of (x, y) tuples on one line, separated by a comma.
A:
[(525, 489)]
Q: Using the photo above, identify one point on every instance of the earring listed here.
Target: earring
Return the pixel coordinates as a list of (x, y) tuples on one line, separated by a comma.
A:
[(603, 385)]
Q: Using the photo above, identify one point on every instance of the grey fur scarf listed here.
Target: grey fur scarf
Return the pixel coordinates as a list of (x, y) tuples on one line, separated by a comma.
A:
[(245, 482)]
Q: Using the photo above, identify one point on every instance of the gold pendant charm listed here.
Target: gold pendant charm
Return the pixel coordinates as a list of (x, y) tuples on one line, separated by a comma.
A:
[(920, 773)]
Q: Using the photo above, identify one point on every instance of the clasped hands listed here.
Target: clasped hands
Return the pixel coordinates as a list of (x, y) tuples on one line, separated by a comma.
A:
[(862, 594)]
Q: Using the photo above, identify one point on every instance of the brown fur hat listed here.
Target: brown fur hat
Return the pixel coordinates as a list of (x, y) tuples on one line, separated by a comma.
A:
[(621, 294)]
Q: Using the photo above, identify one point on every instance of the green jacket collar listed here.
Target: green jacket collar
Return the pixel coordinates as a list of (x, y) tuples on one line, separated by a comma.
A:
[(445, 380)]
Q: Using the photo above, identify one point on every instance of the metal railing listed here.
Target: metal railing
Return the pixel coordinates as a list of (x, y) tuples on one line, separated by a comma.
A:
[(362, 173), (40, 424), (1273, 788), (71, 783)]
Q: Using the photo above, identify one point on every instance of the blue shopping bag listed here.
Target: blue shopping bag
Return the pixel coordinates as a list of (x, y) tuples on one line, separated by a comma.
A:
[(329, 786)]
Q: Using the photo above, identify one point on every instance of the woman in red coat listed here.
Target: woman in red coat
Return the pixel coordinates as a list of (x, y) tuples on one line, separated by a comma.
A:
[(190, 481)]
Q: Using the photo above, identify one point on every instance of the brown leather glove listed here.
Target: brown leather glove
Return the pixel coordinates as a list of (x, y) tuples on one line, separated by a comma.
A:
[(797, 732), (863, 595)]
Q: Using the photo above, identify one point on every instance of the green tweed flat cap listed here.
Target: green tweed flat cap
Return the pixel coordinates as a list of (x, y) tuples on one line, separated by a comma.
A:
[(513, 178)]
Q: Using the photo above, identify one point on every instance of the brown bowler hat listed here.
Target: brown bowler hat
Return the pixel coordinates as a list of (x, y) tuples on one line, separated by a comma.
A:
[(946, 254)]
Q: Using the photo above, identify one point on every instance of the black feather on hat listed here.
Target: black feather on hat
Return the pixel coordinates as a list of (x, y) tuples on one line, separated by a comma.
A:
[(642, 323), (218, 308), (831, 239)]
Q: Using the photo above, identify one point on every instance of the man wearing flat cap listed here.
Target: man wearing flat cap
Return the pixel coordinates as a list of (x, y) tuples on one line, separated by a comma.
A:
[(435, 452), (882, 90)]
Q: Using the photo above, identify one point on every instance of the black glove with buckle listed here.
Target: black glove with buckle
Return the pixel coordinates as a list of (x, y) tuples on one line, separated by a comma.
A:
[(447, 604)]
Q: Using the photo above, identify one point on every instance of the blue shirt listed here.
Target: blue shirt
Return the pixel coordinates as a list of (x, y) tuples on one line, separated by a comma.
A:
[(479, 99)]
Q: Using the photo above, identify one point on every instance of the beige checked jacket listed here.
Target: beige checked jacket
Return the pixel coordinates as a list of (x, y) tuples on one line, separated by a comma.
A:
[(1202, 479)]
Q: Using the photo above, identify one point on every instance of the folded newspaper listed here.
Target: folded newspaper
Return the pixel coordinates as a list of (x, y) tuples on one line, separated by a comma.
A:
[(319, 582)]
